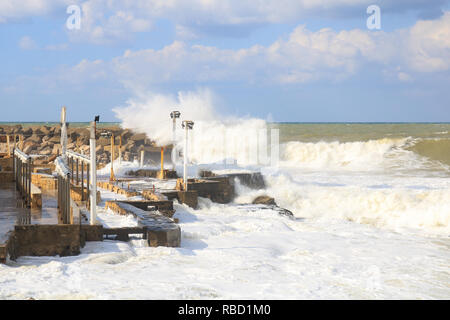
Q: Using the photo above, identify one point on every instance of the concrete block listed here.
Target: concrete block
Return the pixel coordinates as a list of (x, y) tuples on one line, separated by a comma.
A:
[(47, 240), (189, 197)]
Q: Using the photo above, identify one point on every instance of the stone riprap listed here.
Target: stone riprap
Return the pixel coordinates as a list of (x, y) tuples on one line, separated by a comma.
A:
[(46, 141)]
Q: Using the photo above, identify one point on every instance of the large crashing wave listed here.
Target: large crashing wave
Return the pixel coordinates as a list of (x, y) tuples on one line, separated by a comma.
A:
[(216, 137), (380, 154)]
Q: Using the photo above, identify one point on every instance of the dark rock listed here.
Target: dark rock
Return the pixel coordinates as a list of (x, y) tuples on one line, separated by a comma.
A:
[(55, 139), (264, 200), (138, 137), (27, 131), (34, 138), (284, 212)]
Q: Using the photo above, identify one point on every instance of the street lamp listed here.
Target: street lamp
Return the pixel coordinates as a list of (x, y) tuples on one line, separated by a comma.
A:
[(187, 125), (174, 115)]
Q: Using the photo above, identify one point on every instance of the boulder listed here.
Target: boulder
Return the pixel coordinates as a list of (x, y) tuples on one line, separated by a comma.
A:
[(46, 151), (138, 137), (29, 147), (34, 138), (16, 129), (56, 149), (27, 131), (55, 139), (45, 130), (264, 200), (37, 130), (103, 142), (82, 140), (126, 134)]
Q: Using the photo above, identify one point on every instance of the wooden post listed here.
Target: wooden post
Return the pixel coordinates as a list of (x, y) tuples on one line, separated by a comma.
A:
[(9, 147), (120, 150), (162, 164)]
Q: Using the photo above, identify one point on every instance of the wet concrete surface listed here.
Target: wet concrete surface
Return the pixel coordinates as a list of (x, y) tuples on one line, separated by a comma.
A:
[(12, 211), (48, 214)]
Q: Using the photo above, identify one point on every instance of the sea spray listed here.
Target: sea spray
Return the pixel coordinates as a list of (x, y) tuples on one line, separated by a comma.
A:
[(216, 137)]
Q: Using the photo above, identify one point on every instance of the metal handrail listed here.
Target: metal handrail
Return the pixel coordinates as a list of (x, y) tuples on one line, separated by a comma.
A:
[(78, 156), (21, 155), (61, 167), (64, 173), (22, 174)]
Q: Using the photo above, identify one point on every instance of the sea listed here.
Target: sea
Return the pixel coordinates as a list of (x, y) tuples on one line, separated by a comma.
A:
[(371, 206)]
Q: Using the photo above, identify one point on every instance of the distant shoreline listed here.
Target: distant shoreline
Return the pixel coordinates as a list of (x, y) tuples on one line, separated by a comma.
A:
[(51, 124), (108, 124)]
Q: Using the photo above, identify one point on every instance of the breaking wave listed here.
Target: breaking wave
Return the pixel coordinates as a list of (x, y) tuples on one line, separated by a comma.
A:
[(386, 153)]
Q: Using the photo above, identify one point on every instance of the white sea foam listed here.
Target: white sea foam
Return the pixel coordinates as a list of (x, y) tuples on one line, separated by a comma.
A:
[(371, 221), (369, 155)]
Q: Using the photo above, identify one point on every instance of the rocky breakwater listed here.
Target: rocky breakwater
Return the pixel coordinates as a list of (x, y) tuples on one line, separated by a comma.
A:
[(45, 141)]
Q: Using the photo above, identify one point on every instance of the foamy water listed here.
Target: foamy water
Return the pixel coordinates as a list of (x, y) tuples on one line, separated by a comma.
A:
[(371, 206)]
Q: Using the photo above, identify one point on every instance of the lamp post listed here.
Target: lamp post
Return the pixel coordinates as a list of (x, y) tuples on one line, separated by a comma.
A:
[(93, 188), (187, 125), (174, 115), (63, 134)]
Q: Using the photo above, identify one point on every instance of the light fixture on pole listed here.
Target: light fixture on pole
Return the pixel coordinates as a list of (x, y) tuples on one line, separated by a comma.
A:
[(174, 115), (187, 125), (63, 134)]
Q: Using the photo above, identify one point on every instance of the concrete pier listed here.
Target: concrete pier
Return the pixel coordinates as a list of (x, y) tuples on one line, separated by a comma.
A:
[(160, 230), (10, 215)]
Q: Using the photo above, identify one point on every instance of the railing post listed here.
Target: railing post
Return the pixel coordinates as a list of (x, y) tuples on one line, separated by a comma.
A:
[(87, 183), (29, 182), (77, 163), (93, 194), (67, 201), (82, 181), (71, 167)]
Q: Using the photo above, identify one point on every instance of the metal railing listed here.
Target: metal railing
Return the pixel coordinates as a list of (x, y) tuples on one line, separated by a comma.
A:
[(77, 164), (22, 175), (64, 174)]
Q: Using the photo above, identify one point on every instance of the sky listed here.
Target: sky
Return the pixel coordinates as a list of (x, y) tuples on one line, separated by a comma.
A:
[(281, 60)]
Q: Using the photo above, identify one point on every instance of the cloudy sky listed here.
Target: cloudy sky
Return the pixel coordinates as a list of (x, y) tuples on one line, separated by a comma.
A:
[(284, 60)]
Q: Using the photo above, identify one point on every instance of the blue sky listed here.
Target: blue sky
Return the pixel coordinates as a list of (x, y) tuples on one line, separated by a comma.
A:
[(285, 60)]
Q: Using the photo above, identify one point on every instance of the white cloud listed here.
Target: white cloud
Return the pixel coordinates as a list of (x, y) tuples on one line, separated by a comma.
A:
[(304, 56), (57, 47), (106, 21), (26, 43), (11, 10)]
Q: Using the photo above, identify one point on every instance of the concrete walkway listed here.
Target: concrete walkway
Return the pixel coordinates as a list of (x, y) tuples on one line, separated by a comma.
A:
[(10, 212)]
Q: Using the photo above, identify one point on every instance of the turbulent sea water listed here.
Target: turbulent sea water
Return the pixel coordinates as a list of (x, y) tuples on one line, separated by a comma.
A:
[(372, 221)]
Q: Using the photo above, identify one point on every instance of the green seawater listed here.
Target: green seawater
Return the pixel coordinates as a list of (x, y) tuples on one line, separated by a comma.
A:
[(430, 140)]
